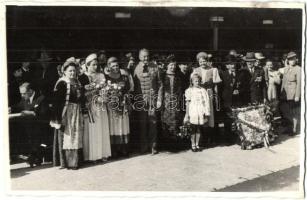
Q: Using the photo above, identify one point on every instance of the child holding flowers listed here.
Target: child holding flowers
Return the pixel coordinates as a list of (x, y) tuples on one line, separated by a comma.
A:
[(197, 110)]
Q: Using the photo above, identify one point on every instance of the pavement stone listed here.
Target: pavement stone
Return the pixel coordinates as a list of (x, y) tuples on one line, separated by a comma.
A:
[(221, 168)]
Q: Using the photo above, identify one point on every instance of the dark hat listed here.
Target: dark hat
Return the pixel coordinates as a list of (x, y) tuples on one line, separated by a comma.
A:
[(129, 56), (284, 56), (44, 56), (230, 59), (169, 59), (291, 55), (250, 56), (101, 52)]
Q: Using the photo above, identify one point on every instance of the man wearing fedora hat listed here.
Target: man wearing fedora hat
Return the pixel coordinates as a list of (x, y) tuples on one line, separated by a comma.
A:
[(46, 75), (251, 82), (230, 94), (291, 92)]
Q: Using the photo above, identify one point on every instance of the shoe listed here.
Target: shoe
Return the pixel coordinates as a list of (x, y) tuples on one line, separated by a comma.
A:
[(194, 149), (198, 149), (291, 134), (154, 151)]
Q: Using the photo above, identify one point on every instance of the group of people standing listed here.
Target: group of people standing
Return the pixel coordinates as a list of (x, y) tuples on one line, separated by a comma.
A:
[(102, 107)]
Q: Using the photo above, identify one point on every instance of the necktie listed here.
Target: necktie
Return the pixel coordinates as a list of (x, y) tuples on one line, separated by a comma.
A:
[(145, 69)]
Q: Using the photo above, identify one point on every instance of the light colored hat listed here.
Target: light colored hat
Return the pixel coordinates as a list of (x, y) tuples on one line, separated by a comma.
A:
[(112, 59), (71, 59), (250, 56), (259, 56), (291, 55), (44, 56), (67, 63), (201, 55), (90, 58)]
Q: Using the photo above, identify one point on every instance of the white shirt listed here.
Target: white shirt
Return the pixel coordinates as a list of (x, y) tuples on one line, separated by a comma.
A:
[(32, 97)]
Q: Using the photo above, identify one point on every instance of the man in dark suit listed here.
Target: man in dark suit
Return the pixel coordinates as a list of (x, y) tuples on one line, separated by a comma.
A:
[(230, 95), (29, 130), (252, 86), (45, 76)]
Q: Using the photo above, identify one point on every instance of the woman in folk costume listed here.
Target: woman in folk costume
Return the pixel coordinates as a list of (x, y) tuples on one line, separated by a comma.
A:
[(210, 78), (68, 121), (99, 134), (291, 92), (117, 108)]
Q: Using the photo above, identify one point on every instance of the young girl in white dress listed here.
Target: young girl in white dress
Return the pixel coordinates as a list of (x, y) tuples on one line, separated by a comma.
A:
[(197, 110)]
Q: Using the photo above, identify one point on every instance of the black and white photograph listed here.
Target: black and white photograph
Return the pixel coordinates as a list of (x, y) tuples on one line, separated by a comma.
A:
[(153, 97)]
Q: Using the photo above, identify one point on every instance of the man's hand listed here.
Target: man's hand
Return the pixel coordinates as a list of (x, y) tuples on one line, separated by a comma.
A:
[(130, 64), (235, 92)]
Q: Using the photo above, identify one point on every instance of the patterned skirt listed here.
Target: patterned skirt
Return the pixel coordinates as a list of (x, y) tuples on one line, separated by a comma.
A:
[(73, 122)]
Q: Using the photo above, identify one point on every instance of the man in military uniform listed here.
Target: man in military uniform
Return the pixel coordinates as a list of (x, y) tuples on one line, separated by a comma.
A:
[(147, 99)]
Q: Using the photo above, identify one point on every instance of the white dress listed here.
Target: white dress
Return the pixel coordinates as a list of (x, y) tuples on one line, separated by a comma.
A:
[(199, 105), (209, 75), (99, 132), (274, 80)]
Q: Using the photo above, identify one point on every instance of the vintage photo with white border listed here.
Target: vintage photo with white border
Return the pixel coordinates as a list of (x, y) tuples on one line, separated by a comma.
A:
[(153, 99)]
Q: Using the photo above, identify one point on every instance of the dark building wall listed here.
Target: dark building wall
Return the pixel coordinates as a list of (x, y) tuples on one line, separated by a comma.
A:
[(67, 31)]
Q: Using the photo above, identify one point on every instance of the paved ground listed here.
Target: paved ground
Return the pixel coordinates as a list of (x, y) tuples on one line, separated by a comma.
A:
[(223, 168)]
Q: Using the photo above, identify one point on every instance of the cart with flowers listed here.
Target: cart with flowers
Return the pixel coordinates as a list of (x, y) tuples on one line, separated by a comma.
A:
[(254, 126)]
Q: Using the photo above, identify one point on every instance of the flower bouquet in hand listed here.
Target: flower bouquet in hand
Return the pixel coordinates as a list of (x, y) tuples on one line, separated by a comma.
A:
[(115, 96), (185, 129)]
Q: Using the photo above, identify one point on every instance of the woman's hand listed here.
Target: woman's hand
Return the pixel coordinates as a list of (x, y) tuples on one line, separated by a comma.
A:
[(186, 119)]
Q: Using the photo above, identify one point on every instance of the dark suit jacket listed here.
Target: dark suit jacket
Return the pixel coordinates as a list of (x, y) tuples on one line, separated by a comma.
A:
[(228, 85), (38, 105), (251, 91), (45, 84)]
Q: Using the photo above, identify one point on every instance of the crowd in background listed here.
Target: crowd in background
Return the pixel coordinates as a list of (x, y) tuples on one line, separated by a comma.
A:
[(99, 107)]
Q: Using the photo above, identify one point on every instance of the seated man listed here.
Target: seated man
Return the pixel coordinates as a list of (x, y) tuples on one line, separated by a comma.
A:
[(28, 128)]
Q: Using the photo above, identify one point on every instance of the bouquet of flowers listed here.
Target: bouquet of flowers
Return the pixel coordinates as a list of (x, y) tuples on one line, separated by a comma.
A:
[(185, 131), (117, 101), (94, 97), (253, 126)]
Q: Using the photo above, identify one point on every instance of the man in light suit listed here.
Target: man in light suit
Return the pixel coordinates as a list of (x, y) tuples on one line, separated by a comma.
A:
[(291, 92), (148, 97)]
